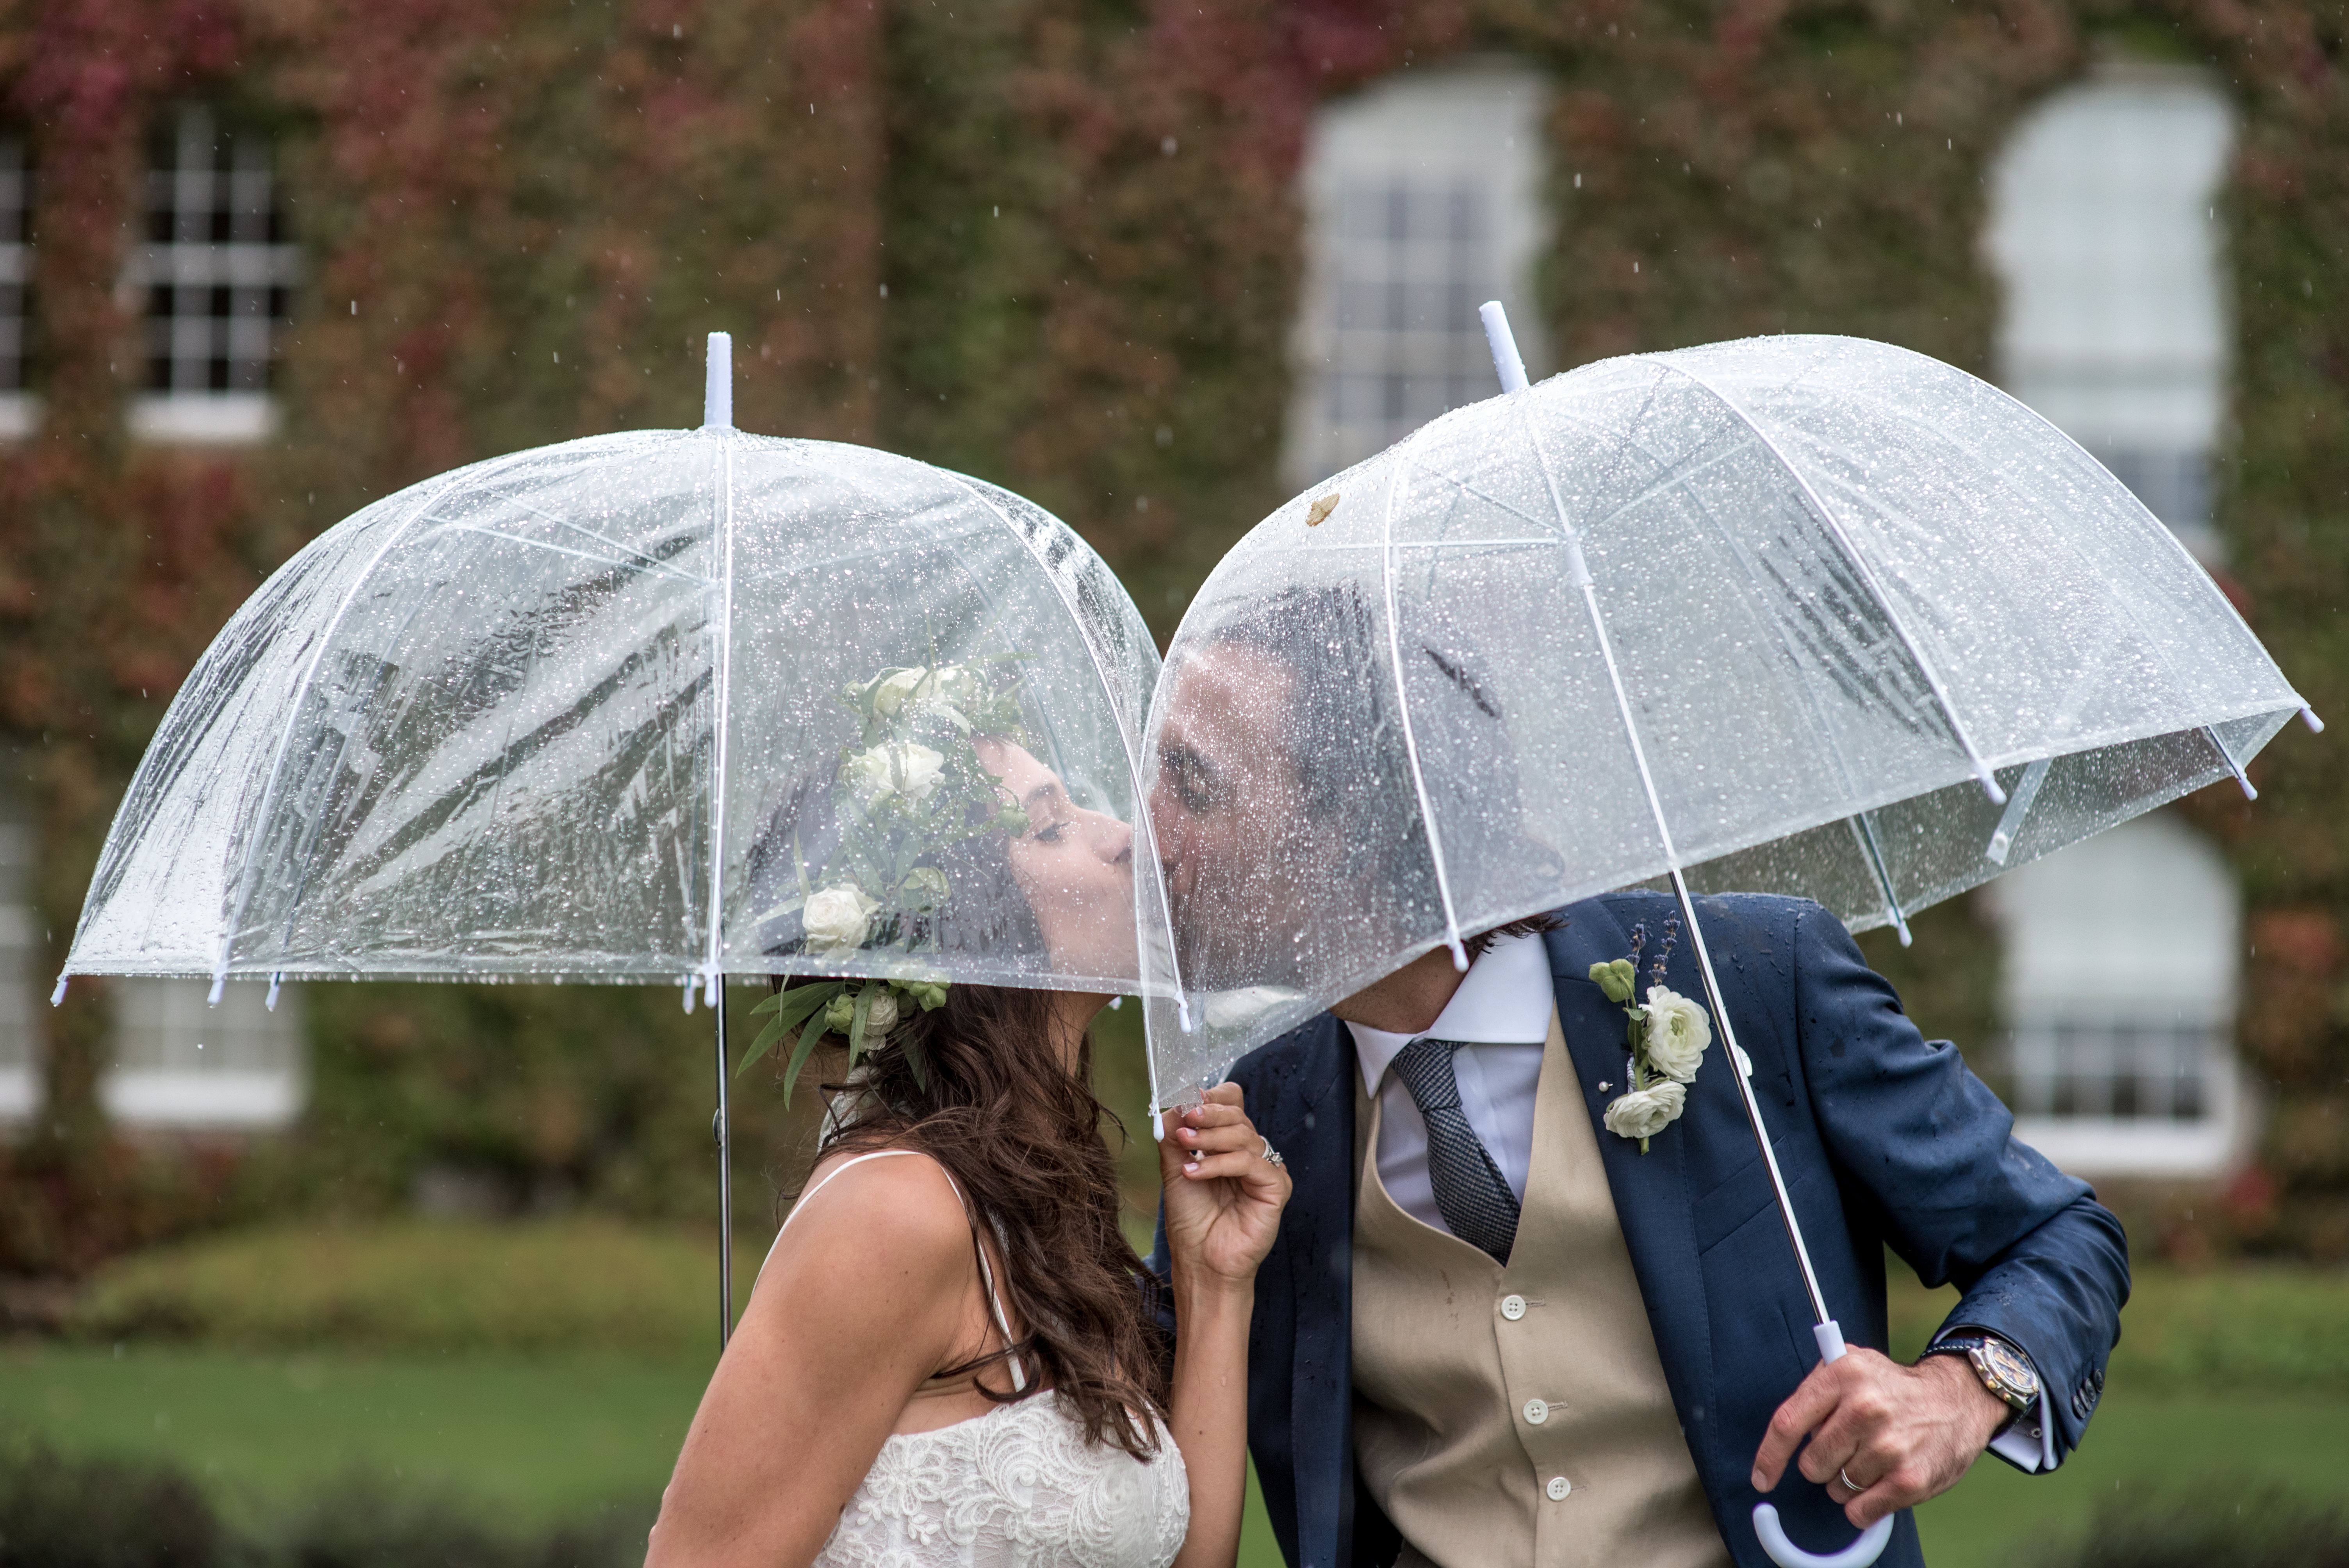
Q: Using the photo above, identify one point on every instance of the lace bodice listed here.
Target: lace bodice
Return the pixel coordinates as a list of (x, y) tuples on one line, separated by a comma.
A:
[(1016, 1487)]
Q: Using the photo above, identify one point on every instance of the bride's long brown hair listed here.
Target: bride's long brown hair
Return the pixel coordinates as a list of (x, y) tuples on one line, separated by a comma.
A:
[(1023, 1138)]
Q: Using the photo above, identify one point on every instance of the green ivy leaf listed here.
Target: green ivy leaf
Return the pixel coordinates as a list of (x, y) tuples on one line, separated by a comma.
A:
[(800, 1053), (856, 1023), (790, 1008)]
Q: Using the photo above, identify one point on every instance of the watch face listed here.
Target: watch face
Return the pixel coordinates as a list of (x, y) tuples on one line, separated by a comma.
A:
[(2001, 1359)]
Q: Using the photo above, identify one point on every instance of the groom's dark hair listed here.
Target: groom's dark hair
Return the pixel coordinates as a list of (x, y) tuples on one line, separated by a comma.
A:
[(1346, 734)]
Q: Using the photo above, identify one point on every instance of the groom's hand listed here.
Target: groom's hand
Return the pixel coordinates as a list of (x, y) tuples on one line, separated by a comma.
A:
[(1896, 1434)]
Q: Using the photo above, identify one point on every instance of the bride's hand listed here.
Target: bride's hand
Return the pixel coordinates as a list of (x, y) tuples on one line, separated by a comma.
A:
[(1224, 1198)]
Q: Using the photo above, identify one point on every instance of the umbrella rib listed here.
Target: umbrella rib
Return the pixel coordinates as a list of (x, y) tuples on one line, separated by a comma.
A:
[(724, 660), (2307, 714), (1411, 740), (1580, 571), (650, 561), (301, 688), (1867, 575), (644, 564)]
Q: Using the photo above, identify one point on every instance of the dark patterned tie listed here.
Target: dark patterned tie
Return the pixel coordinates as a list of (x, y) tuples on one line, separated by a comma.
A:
[(1470, 1193)]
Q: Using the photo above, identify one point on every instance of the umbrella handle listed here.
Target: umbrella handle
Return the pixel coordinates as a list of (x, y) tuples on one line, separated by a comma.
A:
[(1785, 1552)]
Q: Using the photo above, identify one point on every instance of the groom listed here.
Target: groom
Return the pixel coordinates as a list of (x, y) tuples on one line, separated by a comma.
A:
[(1495, 1331)]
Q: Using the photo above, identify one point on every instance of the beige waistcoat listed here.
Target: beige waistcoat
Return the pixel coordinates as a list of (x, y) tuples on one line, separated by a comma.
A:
[(1548, 1437)]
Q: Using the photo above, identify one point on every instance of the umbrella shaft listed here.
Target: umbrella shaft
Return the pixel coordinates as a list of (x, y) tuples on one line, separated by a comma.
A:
[(725, 1187), (1739, 1070)]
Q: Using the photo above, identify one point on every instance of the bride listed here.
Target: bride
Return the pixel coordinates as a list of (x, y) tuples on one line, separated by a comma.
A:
[(952, 1354)]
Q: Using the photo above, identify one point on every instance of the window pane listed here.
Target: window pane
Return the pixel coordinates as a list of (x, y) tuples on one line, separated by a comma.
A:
[(1422, 202)]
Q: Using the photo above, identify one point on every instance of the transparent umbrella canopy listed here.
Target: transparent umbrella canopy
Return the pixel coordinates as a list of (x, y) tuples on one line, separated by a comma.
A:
[(657, 706), (1801, 615)]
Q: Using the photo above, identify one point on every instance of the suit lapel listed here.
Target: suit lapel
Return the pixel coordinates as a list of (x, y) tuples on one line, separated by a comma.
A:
[(1651, 1190)]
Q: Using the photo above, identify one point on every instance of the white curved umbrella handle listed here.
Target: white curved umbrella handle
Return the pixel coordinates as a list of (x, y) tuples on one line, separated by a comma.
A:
[(1785, 1552)]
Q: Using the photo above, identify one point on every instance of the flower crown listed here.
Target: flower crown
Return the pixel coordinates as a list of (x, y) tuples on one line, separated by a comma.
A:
[(911, 789)]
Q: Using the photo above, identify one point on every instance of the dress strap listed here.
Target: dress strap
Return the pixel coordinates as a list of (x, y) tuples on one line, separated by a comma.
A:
[(986, 1270)]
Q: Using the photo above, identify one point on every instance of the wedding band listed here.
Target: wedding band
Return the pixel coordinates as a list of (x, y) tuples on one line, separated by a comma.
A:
[(1271, 1155), (1855, 1487)]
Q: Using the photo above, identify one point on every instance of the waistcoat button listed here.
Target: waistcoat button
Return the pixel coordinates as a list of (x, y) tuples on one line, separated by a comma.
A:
[(1558, 1488), (1513, 1307), (1537, 1412)]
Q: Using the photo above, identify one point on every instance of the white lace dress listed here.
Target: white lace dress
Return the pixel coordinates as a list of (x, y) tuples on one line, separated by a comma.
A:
[(1018, 1487)]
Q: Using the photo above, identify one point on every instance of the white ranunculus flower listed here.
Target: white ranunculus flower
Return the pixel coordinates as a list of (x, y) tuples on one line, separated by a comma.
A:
[(1678, 1033), (837, 918), (897, 766), (881, 1016), (1644, 1112)]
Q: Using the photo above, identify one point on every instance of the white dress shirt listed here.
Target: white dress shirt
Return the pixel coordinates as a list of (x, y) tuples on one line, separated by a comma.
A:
[(1500, 1016)]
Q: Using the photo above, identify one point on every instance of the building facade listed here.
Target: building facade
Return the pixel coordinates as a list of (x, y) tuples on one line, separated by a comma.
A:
[(1156, 269)]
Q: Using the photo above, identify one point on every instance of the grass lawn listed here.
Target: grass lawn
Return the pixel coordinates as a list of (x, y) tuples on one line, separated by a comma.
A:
[(538, 1374), (532, 1441), (524, 1441)]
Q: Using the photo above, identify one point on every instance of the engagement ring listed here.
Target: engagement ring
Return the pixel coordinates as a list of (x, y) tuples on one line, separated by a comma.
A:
[(1272, 1155)]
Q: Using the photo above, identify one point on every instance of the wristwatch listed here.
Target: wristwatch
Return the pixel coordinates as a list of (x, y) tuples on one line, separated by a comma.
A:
[(2003, 1370)]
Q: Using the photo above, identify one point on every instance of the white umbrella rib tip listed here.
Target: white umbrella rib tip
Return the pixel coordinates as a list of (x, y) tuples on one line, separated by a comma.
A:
[(2315, 724), (718, 383)]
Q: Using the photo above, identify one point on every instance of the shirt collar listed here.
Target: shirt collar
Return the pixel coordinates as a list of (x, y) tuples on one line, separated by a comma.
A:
[(1504, 999)]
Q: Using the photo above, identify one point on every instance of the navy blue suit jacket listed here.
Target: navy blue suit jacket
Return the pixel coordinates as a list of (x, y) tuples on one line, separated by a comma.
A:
[(1885, 1139)]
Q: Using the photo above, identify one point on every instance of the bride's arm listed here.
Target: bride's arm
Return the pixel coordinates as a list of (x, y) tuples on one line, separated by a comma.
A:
[(1223, 1209), (858, 1306)]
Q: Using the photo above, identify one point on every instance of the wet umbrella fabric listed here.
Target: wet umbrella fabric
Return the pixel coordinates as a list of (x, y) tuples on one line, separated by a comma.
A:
[(1882, 632), (654, 707)]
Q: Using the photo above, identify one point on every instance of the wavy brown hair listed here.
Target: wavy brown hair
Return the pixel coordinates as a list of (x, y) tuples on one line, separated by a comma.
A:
[(1023, 1139)]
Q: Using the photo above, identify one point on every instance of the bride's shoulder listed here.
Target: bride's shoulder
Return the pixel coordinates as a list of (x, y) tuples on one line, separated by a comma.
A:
[(885, 1215)]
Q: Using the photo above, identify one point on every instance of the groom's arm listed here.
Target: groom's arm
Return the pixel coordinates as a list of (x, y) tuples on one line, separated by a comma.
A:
[(1921, 1141)]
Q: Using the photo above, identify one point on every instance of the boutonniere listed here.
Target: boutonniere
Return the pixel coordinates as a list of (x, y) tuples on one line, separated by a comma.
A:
[(1668, 1034)]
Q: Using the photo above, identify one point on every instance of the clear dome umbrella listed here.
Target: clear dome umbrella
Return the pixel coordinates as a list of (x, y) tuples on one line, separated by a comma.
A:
[(1801, 615), (657, 706)]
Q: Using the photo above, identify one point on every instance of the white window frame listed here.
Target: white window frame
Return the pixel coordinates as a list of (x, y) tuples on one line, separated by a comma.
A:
[(22, 1087), (19, 409), (2120, 952), (2104, 230), (248, 264), (182, 1065), (1464, 137)]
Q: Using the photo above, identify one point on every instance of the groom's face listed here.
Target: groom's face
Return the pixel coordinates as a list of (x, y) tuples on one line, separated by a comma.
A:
[(1245, 866)]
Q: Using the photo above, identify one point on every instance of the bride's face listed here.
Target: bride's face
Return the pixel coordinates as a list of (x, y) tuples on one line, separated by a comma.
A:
[(1075, 866)]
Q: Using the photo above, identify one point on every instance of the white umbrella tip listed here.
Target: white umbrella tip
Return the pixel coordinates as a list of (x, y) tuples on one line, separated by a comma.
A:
[(57, 996), (2315, 724), (718, 386), (1507, 362)]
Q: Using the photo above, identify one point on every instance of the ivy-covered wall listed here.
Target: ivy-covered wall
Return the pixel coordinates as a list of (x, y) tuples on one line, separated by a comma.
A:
[(1052, 242)]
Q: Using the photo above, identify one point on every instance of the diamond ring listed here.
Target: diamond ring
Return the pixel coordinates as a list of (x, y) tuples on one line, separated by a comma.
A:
[(1271, 1155)]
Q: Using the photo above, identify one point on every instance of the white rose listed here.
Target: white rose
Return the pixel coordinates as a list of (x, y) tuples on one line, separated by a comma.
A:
[(1678, 1033), (900, 767), (1644, 1112), (893, 691), (838, 917), (881, 1015)]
